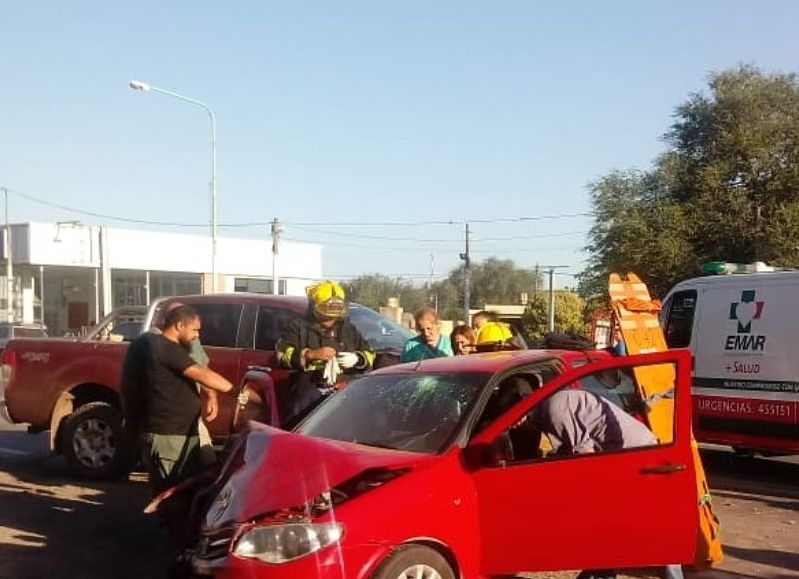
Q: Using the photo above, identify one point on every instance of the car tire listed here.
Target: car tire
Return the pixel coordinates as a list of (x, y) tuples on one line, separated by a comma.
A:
[(92, 441), (414, 561)]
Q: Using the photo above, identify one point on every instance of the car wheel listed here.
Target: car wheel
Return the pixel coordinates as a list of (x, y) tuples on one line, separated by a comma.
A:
[(414, 562), (92, 441)]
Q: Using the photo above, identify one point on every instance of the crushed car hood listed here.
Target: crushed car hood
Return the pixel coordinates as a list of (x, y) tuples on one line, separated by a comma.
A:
[(282, 470)]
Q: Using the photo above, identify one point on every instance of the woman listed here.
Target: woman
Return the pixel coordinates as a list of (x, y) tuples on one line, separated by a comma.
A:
[(429, 343), (462, 339)]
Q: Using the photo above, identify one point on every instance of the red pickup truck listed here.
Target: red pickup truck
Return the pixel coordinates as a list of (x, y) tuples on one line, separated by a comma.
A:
[(71, 387)]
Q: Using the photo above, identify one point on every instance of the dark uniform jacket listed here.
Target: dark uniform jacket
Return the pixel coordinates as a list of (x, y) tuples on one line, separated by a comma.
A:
[(305, 334)]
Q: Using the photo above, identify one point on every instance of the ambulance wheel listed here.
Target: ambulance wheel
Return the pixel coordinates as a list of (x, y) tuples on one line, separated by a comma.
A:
[(91, 439), (414, 561)]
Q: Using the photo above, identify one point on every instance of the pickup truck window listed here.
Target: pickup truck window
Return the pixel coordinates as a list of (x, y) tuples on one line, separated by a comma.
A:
[(220, 324), (269, 325)]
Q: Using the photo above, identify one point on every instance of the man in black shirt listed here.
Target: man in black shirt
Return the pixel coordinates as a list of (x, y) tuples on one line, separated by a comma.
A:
[(160, 399)]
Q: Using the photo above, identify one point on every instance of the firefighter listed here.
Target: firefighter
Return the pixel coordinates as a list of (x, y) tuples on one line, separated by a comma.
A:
[(493, 336), (318, 348)]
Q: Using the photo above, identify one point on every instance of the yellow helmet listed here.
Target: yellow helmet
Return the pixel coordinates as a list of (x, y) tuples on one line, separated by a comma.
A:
[(328, 300), (493, 333)]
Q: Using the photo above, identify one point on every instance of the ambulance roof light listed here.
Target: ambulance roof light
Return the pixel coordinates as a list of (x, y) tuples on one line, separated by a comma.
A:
[(726, 268)]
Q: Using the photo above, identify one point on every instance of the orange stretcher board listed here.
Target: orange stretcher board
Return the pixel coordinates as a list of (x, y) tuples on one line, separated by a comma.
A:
[(636, 314)]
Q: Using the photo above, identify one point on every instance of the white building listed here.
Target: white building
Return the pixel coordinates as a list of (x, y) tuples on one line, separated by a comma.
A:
[(69, 275)]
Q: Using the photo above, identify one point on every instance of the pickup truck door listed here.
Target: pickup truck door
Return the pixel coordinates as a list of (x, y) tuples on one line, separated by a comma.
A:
[(221, 325), (260, 351), (611, 509)]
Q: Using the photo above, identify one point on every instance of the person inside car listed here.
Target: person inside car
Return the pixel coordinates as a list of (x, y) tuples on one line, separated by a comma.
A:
[(319, 348), (429, 343)]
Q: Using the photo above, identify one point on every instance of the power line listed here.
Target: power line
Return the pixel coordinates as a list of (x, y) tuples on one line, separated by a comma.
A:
[(245, 224), (127, 219), (440, 222), (440, 240)]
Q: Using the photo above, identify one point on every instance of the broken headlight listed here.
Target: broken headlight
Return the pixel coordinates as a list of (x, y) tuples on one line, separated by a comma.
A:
[(283, 543)]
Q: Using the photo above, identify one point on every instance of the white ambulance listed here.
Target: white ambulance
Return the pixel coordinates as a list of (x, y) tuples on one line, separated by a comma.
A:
[(743, 329)]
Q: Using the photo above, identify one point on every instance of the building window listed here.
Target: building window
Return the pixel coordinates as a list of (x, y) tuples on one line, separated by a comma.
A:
[(258, 285), (174, 284), (129, 289)]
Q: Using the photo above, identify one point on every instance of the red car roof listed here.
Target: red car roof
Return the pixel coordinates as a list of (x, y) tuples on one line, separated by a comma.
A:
[(491, 361)]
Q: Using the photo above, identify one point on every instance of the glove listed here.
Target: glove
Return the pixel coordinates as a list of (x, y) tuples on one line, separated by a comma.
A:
[(347, 359), (331, 372)]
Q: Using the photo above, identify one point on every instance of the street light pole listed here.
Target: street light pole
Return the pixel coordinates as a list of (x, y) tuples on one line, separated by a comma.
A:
[(143, 86)]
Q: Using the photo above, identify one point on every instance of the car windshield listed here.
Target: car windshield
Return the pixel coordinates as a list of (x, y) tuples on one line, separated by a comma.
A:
[(413, 412), (381, 333), (23, 332)]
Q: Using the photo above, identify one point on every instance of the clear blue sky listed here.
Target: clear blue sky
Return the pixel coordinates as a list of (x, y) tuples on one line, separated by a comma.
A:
[(363, 111)]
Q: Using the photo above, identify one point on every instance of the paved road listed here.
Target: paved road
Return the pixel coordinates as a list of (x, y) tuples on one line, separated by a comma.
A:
[(50, 525)]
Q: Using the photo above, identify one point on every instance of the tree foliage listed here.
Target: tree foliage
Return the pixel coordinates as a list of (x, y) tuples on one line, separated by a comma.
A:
[(726, 189), (570, 315), (374, 291), (495, 281)]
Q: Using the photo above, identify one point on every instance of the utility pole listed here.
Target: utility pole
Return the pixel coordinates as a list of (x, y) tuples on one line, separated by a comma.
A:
[(9, 266), (467, 278), (277, 231), (432, 297), (551, 270)]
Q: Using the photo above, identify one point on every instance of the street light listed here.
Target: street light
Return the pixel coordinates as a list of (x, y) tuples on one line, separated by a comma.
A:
[(143, 86)]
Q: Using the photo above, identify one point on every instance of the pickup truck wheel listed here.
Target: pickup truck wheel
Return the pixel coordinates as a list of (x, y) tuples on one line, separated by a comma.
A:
[(414, 562), (92, 440)]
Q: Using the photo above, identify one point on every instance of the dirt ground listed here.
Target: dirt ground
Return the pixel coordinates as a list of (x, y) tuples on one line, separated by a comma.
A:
[(51, 526)]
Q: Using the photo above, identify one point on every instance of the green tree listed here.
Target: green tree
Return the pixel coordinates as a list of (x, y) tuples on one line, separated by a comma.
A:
[(639, 228), (726, 188), (373, 290), (570, 315), (493, 281)]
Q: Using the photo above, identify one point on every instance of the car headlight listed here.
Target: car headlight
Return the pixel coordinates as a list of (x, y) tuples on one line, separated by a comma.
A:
[(282, 543)]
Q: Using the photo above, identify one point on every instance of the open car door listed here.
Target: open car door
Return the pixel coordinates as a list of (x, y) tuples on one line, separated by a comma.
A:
[(629, 507)]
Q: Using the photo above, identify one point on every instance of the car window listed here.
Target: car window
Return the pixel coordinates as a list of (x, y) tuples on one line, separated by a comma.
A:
[(21, 332), (220, 323), (513, 388), (679, 320), (580, 419), (415, 412), (381, 333), (269, 326), (5, 332)]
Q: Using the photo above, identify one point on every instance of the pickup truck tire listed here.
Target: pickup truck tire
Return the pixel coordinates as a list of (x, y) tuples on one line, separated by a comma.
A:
[(91, 439)]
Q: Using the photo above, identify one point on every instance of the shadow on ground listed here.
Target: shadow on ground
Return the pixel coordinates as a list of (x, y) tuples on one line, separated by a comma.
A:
[(54, 526)]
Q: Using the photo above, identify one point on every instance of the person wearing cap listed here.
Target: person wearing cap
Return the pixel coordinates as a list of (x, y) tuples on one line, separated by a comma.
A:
[(318, 348), (429, 343)]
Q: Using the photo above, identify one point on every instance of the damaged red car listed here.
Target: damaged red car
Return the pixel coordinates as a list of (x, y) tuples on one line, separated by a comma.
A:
[(433, 470)]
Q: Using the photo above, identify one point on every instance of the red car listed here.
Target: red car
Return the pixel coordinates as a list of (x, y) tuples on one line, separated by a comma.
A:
[(429, 470)]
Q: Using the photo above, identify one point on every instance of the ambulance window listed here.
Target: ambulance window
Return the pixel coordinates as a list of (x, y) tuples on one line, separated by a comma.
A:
[(680, 319)]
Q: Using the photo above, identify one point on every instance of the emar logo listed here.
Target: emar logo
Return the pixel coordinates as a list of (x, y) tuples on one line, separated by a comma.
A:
[(746, 310)]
